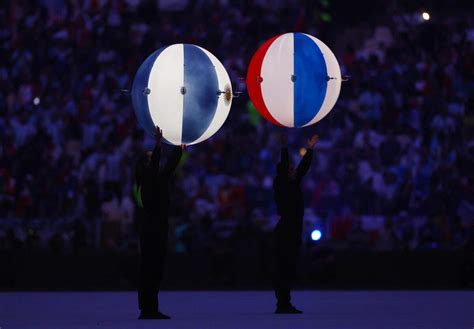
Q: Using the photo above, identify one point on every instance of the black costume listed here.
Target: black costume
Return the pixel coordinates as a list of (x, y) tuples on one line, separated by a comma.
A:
[(154, 186), (290, 206)]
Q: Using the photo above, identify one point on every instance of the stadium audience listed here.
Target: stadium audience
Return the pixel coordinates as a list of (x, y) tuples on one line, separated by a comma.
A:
[(393, 170)]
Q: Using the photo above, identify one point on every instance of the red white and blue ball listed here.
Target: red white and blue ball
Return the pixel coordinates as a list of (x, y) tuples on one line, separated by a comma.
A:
[(184, 90), (294, 80)]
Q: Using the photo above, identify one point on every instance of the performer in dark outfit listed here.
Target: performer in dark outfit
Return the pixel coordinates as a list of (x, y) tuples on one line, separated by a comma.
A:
[(289, 201), (152, 191)]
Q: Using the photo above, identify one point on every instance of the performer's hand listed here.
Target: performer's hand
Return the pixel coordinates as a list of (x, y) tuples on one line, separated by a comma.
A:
[(158, 135), (284, 140), (311, 143)]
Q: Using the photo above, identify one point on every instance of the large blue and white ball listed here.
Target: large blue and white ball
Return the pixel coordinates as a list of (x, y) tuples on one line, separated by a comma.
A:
[(184, 90)]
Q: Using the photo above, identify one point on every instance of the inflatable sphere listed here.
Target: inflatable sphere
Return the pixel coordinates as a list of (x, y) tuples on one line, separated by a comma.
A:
[(184, 90), (294, 80)]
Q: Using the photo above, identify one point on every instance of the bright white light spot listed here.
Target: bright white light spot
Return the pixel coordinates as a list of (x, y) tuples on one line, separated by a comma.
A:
[(425, 16), (316, 235), (36, 101)]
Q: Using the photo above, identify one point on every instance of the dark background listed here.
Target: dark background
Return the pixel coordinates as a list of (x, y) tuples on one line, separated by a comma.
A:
[(391, 185)]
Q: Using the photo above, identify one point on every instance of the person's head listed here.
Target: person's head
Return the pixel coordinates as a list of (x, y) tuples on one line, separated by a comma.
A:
[(143, 162), (148, 157), (290, 172)]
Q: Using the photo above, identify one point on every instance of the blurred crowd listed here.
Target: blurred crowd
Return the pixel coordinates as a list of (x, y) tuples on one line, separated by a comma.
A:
[(392, 170)]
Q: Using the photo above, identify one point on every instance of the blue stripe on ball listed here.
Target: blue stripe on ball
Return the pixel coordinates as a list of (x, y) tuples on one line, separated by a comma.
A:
[(200, 98), (310, 79), (139, 98)]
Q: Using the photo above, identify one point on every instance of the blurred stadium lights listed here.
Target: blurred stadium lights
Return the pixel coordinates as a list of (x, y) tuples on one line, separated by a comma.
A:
[(316, 235)]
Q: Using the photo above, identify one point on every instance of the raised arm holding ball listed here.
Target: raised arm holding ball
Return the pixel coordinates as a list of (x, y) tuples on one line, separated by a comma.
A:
[(289, 201)]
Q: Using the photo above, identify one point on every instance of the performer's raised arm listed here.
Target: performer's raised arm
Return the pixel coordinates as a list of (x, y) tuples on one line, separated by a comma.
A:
[(153, 166), (305, 163), (173, 161), (156, 155)]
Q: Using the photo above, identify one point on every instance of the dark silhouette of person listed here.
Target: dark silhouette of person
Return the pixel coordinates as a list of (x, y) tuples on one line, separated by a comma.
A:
[(289, 201), (152, 193)]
